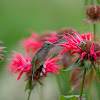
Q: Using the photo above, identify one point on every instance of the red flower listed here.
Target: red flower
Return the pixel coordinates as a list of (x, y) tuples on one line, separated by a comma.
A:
[(51, 65), (52, 38), (83, 46), (20, 64), (87, 35), (1, 50), (23, 65), (33, 43)]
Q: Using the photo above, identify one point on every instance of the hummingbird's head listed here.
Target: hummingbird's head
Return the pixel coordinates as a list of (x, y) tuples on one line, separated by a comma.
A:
[(47, 44)]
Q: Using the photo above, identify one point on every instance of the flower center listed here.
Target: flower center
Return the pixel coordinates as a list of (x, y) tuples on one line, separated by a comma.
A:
[(86, 45), (93, 12)]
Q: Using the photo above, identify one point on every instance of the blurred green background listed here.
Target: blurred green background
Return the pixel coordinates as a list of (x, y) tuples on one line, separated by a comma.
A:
[(17, 18)]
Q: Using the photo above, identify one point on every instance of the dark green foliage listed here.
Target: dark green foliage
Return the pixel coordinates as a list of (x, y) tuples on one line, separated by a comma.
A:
[(28, 85), (75, 65), (72, 97), (98, 73), (98, 1)]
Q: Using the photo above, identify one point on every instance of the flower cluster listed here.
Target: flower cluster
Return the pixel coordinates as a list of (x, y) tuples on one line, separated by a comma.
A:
[(42, 56), (22, 65), (32, 44), (93, 14), (83, 46), (35, 41), (51, 37), (1, 50)]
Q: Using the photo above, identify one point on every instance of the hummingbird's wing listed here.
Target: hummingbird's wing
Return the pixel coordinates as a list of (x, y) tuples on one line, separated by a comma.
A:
[(61, 41), (56, 49), (33, 63), (41, 55)]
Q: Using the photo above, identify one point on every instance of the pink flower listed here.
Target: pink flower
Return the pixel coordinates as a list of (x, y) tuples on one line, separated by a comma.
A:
[(51, 65), (33, 43), (83, 46), (1, 50), (20, 64), (87, 35), (23, 65), (52, 38)]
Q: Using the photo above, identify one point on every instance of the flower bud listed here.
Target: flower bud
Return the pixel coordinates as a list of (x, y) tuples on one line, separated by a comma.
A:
[(93, 14), (64, 31)]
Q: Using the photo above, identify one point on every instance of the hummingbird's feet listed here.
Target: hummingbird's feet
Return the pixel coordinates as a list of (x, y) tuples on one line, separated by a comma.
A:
[(44, 66), (42, 69), (40, 72)]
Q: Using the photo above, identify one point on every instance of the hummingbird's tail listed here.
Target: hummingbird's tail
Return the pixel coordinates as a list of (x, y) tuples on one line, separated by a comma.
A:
[(32, 64), (32, 74)]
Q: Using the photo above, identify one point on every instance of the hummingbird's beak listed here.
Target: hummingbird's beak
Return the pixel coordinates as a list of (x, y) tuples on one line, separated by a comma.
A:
[(60, 35), (56, 44)]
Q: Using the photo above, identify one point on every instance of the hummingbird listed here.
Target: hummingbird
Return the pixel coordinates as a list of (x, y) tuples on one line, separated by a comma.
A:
[(48, 49)]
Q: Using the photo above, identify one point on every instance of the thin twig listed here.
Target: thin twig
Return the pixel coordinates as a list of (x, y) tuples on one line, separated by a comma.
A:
[(82, 84)]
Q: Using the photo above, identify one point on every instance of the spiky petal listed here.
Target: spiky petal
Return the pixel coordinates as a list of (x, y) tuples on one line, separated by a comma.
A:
[(83, 46), (1, 51), (22, 65)]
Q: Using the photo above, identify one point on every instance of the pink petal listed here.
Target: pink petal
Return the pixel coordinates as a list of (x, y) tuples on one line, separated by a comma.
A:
[(69, 40), (75, 51), (73, 46), (73, 38), (88, 56), (20, 75), (92, 49), (82, 55), (95, 58), (78, 36)]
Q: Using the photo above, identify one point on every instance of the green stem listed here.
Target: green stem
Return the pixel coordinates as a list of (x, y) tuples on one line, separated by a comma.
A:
[(90, 84), (93, 63), (92, 2), (94, 31), (82, 84), (86, 3), (29, 94)]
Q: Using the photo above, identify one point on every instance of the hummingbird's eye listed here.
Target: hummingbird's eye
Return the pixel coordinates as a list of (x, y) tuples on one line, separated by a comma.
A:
[(47, 44)]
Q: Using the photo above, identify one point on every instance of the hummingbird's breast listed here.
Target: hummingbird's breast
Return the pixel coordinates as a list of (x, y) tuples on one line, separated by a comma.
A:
[(42, 54)]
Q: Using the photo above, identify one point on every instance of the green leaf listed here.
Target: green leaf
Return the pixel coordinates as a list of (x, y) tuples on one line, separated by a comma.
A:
[(28, 85), (70, 97), (87, 64), (75, 65), (98, 72), (98, 1)]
